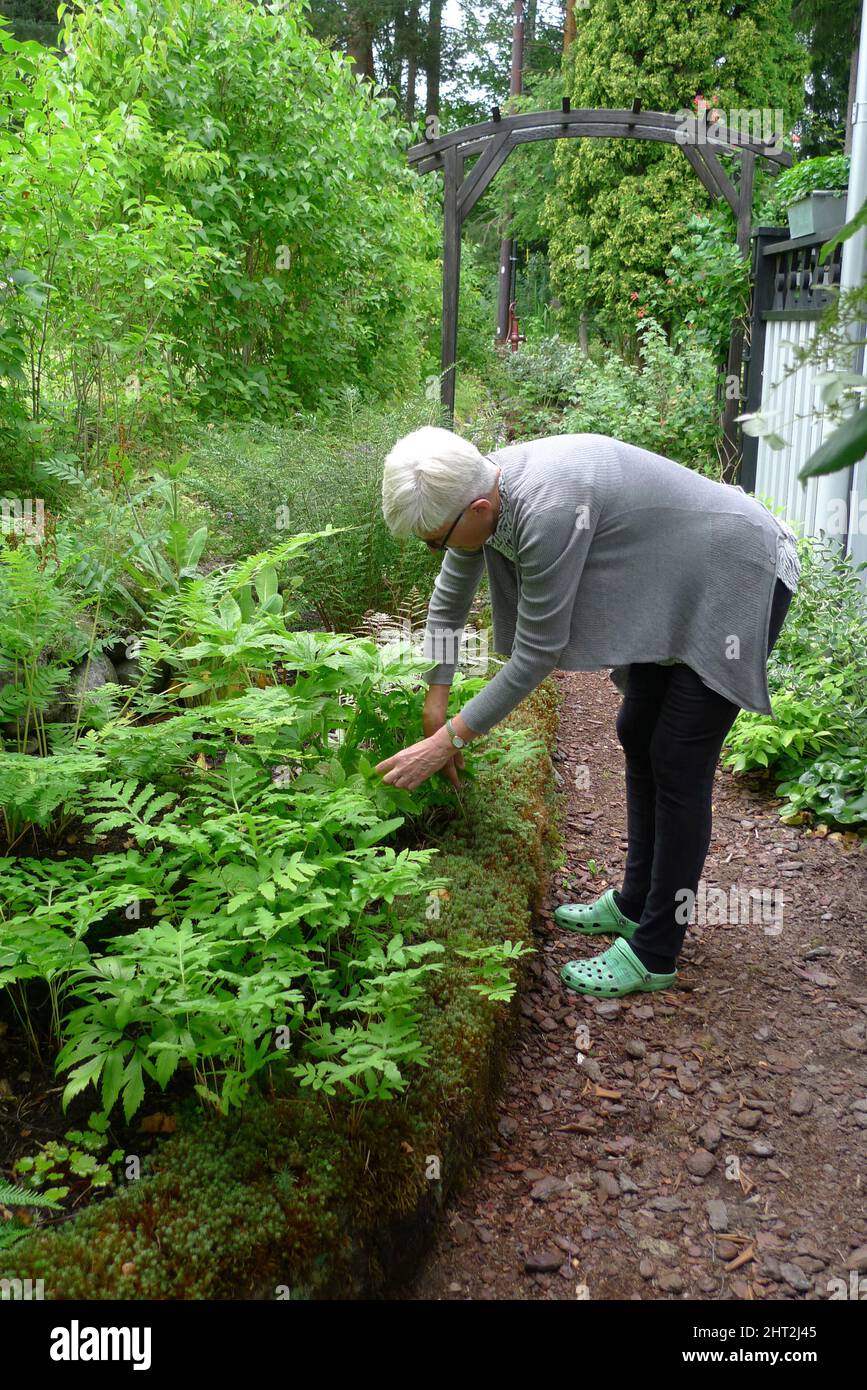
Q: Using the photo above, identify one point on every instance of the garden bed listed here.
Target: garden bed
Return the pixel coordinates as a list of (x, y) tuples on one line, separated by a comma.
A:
[(305, 1196)]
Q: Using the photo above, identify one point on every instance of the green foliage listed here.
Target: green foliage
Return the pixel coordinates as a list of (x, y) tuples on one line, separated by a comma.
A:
[(318, 250), (706, 288), (802, 179), (304, 1192), (817, 676), (260, 481), (831, 789), (665, 403), (13, 1230), (56, 1166), (38, 642), (248, 791), (629, 201)]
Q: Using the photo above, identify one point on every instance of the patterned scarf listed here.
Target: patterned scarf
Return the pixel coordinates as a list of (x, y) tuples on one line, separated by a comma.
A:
[(502, 538)]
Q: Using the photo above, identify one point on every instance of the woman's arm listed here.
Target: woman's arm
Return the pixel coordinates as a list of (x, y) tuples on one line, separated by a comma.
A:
[(449, 607), (552, 551)]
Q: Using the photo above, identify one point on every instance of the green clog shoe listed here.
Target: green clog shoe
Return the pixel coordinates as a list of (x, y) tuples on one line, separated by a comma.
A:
[(595, 918), (616, 972)]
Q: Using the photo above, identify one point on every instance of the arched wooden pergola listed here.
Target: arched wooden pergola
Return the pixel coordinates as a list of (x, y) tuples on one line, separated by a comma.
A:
[(493, 141)]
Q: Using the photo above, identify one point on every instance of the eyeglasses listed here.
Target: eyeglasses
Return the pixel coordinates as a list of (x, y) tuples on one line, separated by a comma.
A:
[(441, 545)]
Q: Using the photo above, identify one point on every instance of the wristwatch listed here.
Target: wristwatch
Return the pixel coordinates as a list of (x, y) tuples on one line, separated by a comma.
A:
[(456, 740)]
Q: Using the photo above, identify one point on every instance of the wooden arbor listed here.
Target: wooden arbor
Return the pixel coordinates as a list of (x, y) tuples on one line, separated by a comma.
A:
[(493, 142)]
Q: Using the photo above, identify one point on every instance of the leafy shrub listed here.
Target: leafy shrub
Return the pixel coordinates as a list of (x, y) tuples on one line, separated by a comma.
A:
[(261, 481), (321, 250), (665, 403), (817, 677), (706, 287), (804, 177), (251, 823)]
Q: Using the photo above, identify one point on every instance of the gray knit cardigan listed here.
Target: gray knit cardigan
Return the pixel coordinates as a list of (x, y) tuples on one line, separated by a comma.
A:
[(605, 554)]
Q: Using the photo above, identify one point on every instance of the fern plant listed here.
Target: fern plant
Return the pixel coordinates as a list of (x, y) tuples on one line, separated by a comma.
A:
[(12, 1230)]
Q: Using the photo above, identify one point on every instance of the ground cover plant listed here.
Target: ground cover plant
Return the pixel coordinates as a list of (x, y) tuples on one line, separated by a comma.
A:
[(815, 747)]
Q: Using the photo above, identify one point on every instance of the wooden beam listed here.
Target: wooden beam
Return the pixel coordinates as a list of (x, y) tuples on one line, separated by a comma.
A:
[(451, 277), (718, 173), (476, 182), (745, 201), (587, 121), (732, 441), (699, 167)]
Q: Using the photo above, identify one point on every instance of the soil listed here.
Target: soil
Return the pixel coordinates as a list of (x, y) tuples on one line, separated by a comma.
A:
[(706, 1142)]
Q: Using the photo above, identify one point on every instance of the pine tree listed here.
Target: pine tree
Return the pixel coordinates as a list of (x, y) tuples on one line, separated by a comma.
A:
[(627, 201)]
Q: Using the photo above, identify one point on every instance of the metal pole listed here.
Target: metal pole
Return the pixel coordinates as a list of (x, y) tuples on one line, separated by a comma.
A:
[(503, 295), (852, 271)]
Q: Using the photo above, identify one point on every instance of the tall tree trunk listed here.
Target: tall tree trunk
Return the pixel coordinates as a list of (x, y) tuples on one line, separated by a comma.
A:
[(530, 23), (412, 61), (569, 27), (360, 44), (433, 57)]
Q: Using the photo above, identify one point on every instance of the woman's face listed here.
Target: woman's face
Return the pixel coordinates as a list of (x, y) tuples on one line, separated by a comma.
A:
[(468, 531)]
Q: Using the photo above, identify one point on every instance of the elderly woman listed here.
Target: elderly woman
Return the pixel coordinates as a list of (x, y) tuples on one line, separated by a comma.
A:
[(601, 554)]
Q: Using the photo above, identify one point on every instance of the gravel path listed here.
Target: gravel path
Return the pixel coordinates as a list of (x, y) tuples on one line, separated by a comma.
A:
[(707, 1142)]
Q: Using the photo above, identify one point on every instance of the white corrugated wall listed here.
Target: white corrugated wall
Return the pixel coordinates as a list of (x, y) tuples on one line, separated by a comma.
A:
[(790, 400)]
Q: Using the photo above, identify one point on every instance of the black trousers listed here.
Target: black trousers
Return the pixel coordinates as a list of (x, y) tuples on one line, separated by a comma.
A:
[(672, 728)]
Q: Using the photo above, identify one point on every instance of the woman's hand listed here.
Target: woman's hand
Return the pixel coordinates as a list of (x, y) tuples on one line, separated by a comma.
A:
[(433, 718), (412, 766)]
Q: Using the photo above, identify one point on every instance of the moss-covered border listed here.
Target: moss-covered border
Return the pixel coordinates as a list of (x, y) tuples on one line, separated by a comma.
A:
[(303, 1198)]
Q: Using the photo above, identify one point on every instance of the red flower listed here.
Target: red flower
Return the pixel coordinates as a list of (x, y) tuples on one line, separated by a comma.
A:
[(641, 313), (634, 294)]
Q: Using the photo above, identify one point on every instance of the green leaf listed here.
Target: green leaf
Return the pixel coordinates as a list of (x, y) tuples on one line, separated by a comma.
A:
[(847, 445)]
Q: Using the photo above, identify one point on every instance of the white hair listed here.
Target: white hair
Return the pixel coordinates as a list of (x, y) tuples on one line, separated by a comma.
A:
[(429, 476)]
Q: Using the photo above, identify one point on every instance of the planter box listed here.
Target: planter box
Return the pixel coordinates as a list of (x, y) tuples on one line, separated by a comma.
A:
[(822, 212)]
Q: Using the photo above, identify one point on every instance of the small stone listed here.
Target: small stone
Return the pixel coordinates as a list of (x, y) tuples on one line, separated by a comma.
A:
[(608, 1008), (671, 1282), (748, 1119), (858, 1258), (800, 1101), (607, 1183), (646, 1268), (727, 1250), (717, 1214), (507, 1126), (701, 1163), (761, 1148), (710, 1134), (668, 1204), (636, 1048), (795, 1276), (547, 1188), (662, 1249), (543, 1262)]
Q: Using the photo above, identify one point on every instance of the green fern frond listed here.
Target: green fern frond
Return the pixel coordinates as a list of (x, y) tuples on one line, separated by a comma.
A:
[(12, 1196)]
